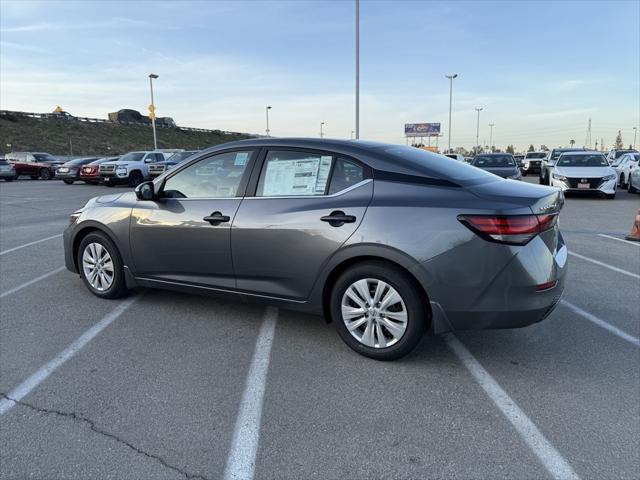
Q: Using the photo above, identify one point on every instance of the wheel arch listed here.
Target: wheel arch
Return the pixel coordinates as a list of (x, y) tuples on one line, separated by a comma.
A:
[(86, 230), (394, 258)]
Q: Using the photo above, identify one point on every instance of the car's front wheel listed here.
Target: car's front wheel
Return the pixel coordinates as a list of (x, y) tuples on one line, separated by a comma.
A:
[(45, 174), (68, 182), (101, 267), (378, 310), (135, 179)]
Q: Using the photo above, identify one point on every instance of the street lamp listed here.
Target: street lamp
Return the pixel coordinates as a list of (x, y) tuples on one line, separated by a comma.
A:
[(321, 132), (267, 110), (478, 109), (152, 111), (450, 77), (491, 125)]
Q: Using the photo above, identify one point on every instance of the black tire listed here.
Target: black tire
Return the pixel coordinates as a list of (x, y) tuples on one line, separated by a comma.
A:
[(541, 179), (34, 177), (412, 296), (630, 187), (45, 174), (110, 184), (9, 179), (135, 179), (118, 287), (610, 196), (622, 183), (68, 182)]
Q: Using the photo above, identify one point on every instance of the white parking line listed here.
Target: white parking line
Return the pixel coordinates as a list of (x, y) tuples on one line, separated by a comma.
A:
[(43, 372), (601, 323), (29, 244), (241, 462), (605, 265), (555, 464), (31, 282), (635, 244)]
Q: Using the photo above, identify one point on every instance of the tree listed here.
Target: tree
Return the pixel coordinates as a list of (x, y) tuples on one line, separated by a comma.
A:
[(572, 142), (510, 149), (619, 145), (531, 148), (544, 148)]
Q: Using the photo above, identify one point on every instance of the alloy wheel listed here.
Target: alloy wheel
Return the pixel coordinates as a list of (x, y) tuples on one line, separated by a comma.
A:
[(374, 313), (97, 266)]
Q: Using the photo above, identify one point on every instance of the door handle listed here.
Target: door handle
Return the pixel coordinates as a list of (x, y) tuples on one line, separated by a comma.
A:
[(338, 218), (216, 218)]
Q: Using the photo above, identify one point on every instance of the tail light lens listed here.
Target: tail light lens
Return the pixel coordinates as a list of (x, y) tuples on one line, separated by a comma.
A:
[(509, 229)]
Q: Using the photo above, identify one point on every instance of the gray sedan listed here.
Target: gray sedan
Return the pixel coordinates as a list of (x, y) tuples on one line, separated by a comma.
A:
[(386, 241), (501, 164)]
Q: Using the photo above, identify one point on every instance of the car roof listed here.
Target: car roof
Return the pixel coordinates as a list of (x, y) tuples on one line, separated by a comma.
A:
[(492, 154), (584, 152)]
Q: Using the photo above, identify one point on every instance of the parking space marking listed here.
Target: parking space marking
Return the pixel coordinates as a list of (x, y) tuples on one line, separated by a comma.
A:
[(602, 264), (30, 243), (43, 372), (31, 282), (241, 462), (555, 463), (635, 244), (601, 323)]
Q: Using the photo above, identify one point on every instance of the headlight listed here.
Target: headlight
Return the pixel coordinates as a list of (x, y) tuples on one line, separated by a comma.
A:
[(559, 177), (610, 177), (73, 218)]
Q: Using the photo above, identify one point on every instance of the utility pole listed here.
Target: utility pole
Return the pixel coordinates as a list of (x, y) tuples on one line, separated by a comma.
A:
[(267, 110), (357, 69), (478, 109), (321, 132), (450, 77), (491, 125)]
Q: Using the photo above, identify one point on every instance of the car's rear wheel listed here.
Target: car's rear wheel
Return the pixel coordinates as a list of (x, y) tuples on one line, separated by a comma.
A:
[(378, 310), (45, 174), (9, 179), (68, 182), (135, 179), (622, 183), (101, 267)]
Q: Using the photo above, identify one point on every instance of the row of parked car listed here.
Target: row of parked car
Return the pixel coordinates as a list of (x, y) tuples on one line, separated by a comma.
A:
[(130, 169), (570, 169)]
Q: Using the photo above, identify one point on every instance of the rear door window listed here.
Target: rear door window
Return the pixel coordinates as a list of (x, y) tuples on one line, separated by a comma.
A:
[(294, 173)]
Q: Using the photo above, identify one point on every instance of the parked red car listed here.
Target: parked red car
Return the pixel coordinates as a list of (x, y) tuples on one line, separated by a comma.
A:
[(34, 164), (90, 173)]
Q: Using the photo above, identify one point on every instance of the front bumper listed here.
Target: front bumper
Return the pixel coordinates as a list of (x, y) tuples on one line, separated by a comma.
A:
[(67, 175), (8, 174)]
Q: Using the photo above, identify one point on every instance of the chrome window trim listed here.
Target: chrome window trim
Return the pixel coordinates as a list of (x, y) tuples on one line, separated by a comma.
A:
[(341, 192)]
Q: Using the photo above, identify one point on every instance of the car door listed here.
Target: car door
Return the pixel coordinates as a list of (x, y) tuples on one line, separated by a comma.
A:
[(184, 236), (306, 205)]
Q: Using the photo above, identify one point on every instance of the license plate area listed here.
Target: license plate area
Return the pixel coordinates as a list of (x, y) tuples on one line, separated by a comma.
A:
[(584, 185)]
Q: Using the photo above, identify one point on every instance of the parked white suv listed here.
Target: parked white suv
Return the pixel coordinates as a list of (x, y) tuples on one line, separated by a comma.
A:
[(131, 169), (623, 166)]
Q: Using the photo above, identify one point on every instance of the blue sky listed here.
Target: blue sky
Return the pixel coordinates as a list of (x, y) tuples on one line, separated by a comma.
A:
[(539, 69)]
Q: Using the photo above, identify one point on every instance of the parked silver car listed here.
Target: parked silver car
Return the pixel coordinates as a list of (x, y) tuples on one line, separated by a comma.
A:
[(386, 241)]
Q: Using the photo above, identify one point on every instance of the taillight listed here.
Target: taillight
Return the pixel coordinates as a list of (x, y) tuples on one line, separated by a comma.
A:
[(510, 229)]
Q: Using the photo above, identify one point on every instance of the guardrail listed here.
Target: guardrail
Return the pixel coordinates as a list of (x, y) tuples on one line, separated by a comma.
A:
[(62, 116)]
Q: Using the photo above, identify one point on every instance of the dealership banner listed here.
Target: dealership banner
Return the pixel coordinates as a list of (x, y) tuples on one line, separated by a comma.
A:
[(421, 129)]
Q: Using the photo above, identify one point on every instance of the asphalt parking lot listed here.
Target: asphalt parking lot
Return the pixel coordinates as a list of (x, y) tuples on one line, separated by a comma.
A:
[(168, 385)]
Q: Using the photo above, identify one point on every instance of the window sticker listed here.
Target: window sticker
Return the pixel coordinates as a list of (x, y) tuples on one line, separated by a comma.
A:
[(241, 159), (306, 176)]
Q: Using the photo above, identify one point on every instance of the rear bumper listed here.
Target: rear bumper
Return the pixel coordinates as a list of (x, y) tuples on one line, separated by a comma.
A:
[(507, 300), (8, 174)]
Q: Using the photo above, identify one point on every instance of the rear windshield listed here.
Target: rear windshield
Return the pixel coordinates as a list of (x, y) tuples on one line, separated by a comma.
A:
[(436, 166), (595, 160), (493, 161), (536, 155)]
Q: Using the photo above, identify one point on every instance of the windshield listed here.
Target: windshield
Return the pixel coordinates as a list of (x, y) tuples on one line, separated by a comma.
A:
[(44, 157), (132, 157), (595, 160), (619, 153), (493, 161), (556, 153), (536, 155), (436, 166)]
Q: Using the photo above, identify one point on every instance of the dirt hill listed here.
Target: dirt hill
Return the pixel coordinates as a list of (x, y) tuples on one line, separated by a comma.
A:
[(61, 136)]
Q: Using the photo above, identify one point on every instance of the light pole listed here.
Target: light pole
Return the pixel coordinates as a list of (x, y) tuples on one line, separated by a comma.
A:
[(450, 77), (478, 109), (357, 69), (267, 110), (635, 131), (152, 111), (321, 132), (491, 125), (351, 136)]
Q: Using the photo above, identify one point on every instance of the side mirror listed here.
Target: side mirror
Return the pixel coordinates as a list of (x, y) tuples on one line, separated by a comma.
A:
[(148, 160), (145, 191)]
